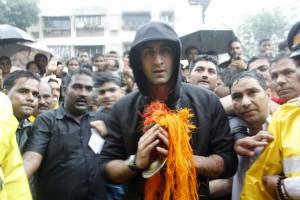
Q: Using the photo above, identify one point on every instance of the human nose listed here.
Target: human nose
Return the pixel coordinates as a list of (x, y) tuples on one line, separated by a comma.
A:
[(281, 79), (246, 101), (158, 58), (30, 97), (204, 74), (41, 100), (106, 95), (84, 92)]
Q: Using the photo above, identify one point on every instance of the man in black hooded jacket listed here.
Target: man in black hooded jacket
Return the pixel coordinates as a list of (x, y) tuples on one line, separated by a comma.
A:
[(154, 58)]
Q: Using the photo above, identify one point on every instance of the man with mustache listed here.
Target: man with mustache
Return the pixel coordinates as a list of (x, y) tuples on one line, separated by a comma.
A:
[(203, 72), (64, 150), (22, 88), (284, 77), (44, 98), (251, 102)]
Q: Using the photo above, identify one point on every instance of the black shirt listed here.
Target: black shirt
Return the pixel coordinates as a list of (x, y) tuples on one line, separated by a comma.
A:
[(69, 170)]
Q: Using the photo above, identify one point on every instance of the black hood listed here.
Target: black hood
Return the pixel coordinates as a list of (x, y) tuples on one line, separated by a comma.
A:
[(156, 31)]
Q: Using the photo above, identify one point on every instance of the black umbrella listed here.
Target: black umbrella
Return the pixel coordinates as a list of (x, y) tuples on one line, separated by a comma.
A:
[(11, 34), (22, 52), (207, 40)]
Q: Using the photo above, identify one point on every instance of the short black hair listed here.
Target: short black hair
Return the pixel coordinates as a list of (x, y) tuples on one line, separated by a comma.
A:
[(87, 66), (5, 58), (68, 78), (12, 77), (249, 74), (104, 77), (40, 55), (226, 75), (73, 58), (232, 41), (97, 55), (29, 63), (258, 57), (264, 40), (189, 48), (204, 57)]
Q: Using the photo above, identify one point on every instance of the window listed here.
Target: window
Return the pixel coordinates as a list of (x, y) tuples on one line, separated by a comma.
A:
[(133, 20), (62, 52), (89, 21), (89, 25), (92, 50), (57, 26)]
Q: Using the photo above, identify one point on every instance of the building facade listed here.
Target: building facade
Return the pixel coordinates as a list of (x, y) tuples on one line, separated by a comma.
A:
[(107, 25)]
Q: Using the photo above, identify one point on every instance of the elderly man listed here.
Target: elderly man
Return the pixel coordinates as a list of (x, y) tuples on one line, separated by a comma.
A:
[(44, 98), (154, 58)]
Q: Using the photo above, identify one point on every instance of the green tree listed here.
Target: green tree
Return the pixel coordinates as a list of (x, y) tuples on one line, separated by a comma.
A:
[(270, 24), (19, 13)]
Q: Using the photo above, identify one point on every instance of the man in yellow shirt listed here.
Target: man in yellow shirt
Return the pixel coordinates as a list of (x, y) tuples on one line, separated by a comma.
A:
[(13, 181)]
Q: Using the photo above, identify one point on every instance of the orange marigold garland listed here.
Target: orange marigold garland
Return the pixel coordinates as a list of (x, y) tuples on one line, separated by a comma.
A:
[(178, 181)]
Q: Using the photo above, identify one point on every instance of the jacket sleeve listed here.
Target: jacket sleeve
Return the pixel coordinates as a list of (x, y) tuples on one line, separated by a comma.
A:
[(268, 163), (222, 141), (15, 184), (114, 145)]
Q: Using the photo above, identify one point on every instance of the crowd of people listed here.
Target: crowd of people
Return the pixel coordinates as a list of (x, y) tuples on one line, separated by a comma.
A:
[(78, 131)]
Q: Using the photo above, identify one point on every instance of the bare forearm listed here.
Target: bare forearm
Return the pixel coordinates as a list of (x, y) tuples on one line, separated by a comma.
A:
[(227, 104), (118, 171), (220, 187), (211, 166), (31, 162)]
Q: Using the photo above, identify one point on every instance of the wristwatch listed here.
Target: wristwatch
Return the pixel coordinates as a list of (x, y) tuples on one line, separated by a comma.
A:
[(131, 162)]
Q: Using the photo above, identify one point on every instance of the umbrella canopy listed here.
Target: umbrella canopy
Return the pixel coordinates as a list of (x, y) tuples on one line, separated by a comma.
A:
[(11, 34), (22, 52), (208, 40)]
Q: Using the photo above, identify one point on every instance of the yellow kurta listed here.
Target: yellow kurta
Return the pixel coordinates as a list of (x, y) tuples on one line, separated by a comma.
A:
[(14, 184), (280, 156)]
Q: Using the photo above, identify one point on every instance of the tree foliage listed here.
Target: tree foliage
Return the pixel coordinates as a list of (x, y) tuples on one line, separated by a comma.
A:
[(270, 24), (19, 13)]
